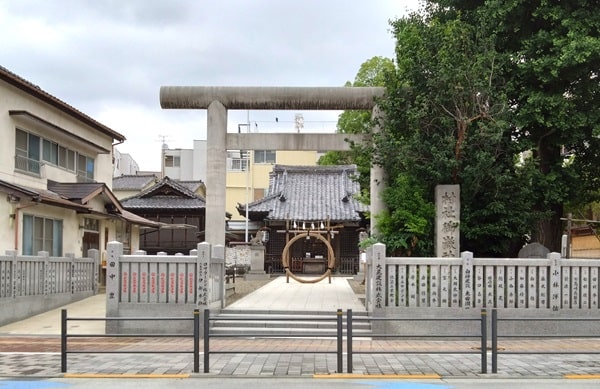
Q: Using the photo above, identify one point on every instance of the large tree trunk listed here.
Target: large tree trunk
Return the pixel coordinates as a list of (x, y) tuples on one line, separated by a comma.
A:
[(549, 231)]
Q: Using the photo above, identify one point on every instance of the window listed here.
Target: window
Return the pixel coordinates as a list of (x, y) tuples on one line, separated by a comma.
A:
[(27, 152), (264, 156), (66, 158), (50, 151), (42, 234), (29, 149), (85, 168), (237, 164), (91, 224), (172, 161)]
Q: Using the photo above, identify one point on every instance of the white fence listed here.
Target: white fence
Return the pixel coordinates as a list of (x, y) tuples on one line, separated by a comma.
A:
[(141, 285), (33, 284)]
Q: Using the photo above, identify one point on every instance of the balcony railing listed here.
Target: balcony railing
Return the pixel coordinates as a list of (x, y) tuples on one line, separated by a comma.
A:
[(27, 165)]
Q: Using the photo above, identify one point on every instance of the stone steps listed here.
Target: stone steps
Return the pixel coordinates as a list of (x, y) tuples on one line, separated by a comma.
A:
[(253, 323)]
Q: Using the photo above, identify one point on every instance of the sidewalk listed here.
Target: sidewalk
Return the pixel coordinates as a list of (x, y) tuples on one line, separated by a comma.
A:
[(48, 323), (31, 348)]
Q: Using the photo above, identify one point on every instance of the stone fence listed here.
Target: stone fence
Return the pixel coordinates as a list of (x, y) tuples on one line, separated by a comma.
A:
[(34, 284), (459, 287), (141, 285)]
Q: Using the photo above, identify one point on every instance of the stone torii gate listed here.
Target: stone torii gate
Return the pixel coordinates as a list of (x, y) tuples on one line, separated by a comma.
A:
[(217, 100)]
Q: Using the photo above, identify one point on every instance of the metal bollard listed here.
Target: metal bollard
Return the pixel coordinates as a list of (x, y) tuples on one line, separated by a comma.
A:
[(196, 340), (206, 340), (349, 361), (63, 341), (483, 341), (340, 353)]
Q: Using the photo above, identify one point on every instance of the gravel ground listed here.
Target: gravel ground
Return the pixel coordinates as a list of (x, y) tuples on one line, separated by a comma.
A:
[(243, 288)]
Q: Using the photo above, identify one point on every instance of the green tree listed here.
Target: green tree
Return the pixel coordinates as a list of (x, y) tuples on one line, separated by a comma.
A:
[(447, 122), (552, 51), (371, 73)]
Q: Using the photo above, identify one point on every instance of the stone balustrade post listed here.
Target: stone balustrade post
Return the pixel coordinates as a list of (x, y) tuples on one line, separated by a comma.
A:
[(114, 253)]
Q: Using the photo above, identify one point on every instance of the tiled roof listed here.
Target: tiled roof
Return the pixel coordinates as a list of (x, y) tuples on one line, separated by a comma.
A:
[(79, 192), (309, 193), (165, 194), (194, 186), (76, 196), (133, 182), (42, 196)]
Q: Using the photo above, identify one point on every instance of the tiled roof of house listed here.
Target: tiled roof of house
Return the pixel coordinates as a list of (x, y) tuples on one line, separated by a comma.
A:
[(194, 186), (37, 92), (307, 193), (80, 192), (76, 196), (165, 194), (41, 195), (84, 192), (133, 182)]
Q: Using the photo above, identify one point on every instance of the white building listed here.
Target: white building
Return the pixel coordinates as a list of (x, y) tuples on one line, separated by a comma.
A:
[(124, 164), (56, 169), (185, 164)]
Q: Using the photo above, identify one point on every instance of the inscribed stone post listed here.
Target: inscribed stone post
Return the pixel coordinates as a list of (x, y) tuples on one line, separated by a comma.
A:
[(202, 274), (554, 281), (447, 220), (379, 281), (113, 253), (467, 280), (369, 279)]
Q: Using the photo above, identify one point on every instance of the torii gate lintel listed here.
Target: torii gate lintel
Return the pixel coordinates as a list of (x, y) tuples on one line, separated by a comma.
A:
[(217, 100)]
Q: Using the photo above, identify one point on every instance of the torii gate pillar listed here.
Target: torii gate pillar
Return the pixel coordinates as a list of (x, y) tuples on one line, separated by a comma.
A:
[(217, 100)]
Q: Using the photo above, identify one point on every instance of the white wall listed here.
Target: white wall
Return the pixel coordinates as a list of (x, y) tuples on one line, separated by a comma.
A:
[(74, 135)]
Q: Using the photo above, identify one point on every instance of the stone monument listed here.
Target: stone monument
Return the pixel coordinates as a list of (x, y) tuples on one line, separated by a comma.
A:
[(257, 264), (534, 250), (447, 221)]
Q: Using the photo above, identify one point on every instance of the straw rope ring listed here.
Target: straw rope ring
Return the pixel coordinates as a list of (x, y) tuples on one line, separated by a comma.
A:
[(285, 258)]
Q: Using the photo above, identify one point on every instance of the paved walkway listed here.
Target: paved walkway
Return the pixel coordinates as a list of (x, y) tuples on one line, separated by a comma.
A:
[(31, 348), (279, 295)]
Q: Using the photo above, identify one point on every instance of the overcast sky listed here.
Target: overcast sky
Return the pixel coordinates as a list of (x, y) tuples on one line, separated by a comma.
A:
[(109, 58)]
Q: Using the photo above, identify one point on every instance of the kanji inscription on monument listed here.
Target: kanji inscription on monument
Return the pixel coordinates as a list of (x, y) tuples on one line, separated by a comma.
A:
[(447, 204)]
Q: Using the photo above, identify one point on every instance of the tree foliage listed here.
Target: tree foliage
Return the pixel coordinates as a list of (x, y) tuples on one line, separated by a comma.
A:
[(490, 95), (447, 122), (555, 92), (552, 51), (371, 73)]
